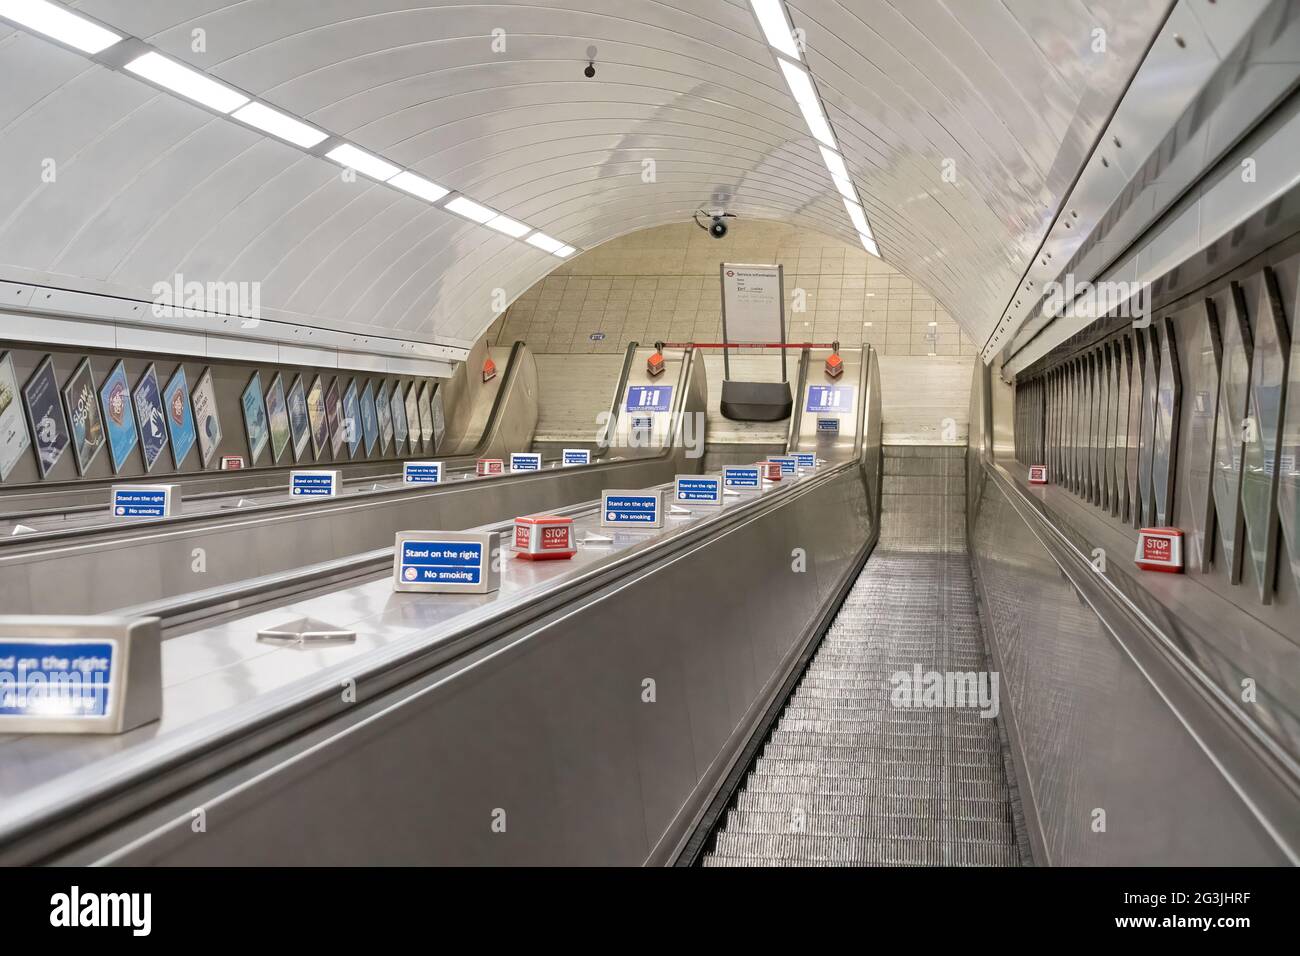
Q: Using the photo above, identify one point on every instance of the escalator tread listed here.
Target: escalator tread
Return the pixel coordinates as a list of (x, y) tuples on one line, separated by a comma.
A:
[(847, 778)]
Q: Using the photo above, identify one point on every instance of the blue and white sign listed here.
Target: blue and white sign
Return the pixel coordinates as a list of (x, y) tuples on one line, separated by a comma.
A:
[(521, 461), (837, 399), (79, 675), (807, 460), (698, 490), (55, 679), (422, 473), (746, 478), (642, 509), (649, 398), (314, 483), (145, 501), (576, 456), (828, 426), (643, 423), (445, 562), (789, 465)]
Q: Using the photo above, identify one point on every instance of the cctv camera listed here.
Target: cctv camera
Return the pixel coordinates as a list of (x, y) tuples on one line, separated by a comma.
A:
[(717, 228), (590, 71)]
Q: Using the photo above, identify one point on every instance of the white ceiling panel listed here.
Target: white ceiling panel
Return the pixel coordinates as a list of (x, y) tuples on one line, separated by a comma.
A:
[(1009, 94)]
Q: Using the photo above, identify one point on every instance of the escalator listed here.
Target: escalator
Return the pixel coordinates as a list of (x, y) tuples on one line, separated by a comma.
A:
[(848, 776)]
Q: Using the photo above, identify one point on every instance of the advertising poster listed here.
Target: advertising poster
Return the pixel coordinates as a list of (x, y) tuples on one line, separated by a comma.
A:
[(115, 399), (45, 413), (352, 418), (413, 415), (369, 422), (180, 417), (334, 413), (299, 427), (13, 429), (399, 415), (83, 416), (320, 425), (254, 405), (385, 414), (207, 423), (150, 417), (277, 416)]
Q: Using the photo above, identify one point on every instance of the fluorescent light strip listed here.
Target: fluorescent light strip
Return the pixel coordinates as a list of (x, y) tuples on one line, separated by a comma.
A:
[(190, 84), (810, 104), (469, 209), (565, 251), (858, 217), (845, 187), (835, 163), (511, 227), (544, 242), (418, 186), (280, 125), (363, 162), (870, 245), (59, 24), (777, 29)]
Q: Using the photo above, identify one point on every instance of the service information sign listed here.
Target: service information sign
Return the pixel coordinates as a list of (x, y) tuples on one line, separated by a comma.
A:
[(519, 461), (314, 484), (789, 465), (422, 473), (576, 456), (747, 478), (642, 509), (649, 398), (837, 399), (445, 562), (828, 426), (751, 302), (145, 501), (698, 490), (806, 460)]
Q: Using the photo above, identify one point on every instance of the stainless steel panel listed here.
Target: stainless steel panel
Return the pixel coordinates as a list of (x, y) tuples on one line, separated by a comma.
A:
[(1106, 408), (1147, 423), (1288, 495), (1234, 394), (1137, 376), (1122, 374), (1168, 406), (1205, 359), (1268, 379)]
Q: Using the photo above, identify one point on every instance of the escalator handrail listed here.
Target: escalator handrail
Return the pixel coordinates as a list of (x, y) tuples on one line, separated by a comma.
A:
[(629, 356), (796, 412)]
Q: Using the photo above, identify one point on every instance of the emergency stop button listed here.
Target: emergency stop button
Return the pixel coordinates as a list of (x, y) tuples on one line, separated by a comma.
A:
[(544, 538)]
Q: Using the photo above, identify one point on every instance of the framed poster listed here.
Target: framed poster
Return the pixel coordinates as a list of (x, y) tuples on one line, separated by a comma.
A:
[(320, 425), (14, 439), (399, 415), (385, 414), (369, 422), (277, 417), (413, 415), (83, 415), (334, 415), (150, 417), (207, 423), (255, 418), (299, 427), (45, 413), (352, 418), (115, 399), (180, 417)]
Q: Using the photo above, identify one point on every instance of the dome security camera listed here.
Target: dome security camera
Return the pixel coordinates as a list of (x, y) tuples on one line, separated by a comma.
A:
[(717, 227)]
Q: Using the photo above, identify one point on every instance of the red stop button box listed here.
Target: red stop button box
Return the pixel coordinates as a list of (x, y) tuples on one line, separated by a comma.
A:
[(490, 466), (1160, 549), (544, 538)]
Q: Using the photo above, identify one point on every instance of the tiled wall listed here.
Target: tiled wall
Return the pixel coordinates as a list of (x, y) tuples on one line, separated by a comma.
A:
[(662, 284)]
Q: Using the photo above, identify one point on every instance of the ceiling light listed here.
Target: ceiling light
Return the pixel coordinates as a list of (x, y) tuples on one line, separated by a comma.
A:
[(278, 124), (544, 242), (771, 17), (805, 94), (834, 162), (418, 186), (565, 251), (187, 82), (870, 245), (464, 206), (59, 24), (510, 227), (846, 188), (372, 166), (858, 217)]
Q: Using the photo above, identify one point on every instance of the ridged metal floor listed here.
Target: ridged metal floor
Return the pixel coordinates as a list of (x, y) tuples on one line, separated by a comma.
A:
[(848, 778)]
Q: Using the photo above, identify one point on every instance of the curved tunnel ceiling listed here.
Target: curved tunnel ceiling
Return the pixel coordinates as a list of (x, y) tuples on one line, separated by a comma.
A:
[(1006, 97)]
